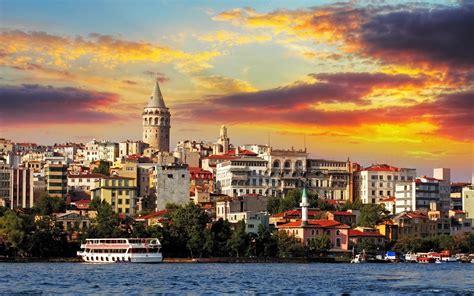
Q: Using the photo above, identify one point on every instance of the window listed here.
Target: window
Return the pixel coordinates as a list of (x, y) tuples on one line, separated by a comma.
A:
[(120, 201), (170, 176), (381, 192)]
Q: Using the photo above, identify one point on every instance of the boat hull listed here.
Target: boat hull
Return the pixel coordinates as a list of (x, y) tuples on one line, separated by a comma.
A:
[(113, 258)]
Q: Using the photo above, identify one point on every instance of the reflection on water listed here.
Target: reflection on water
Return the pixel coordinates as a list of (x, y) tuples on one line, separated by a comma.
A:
[(356, 279)]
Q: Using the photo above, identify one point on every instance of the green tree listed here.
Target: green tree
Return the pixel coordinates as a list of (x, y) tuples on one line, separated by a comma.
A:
[(320, 244), (103, 168), (218, 238), (187, 229), (48, 205), (12, 232), (273, 204), (106, 223), (266, 243), (371, 214), (289, 246), (239, 241)]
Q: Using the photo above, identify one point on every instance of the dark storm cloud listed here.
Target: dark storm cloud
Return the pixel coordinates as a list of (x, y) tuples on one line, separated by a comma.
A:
[(441, 35), (330, 88), (37, 104)]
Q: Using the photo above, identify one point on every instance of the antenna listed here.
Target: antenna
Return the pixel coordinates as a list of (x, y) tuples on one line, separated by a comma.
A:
[(304, 141)]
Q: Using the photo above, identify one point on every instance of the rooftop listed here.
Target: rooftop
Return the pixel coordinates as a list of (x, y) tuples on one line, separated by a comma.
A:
[(316, 224)]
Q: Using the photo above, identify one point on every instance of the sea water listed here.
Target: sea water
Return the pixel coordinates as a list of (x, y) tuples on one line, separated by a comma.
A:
[(263, 278)]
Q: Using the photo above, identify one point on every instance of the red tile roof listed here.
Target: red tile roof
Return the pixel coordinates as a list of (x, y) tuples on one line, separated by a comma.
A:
[(316, 224), (296, 213), (242, 152), (382, 168), (358, 233), (389, 199), (215, 156), (458, 212), (340, 213), (156, 214)]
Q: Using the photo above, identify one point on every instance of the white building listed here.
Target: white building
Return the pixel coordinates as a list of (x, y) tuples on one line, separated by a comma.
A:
[(131, 147), (104, 150), (83, 182), (442, 174), (68, 150), (377, 182), (171, 184), (421, 193), (245, 175), (252, 209)]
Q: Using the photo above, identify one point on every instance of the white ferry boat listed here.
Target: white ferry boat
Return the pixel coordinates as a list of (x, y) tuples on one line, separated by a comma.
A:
[(110, 250)]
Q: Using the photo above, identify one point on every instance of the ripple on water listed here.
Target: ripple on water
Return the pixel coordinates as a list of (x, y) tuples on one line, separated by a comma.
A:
[(255, 279)]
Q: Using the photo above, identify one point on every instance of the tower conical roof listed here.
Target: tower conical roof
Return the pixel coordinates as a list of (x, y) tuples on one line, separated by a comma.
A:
[(156, 98)]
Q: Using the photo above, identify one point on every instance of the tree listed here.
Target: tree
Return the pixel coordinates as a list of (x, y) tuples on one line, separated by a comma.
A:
[(187, 229), (266, 244), (103, 168), (239, 241), (320, 244), (273, 204), (218, 238), (288, 246), (12, 232), (48, 205), (370, 214), (106, 223)]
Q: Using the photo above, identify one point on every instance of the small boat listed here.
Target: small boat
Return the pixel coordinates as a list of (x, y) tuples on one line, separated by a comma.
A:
[(439, 261), (121, 250), (426, 260), (359, 258), (411, 257)]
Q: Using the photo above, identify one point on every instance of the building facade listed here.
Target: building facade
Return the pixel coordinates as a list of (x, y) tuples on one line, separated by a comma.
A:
[(119, 192), (374, 183), (171, 183), (56, 179)]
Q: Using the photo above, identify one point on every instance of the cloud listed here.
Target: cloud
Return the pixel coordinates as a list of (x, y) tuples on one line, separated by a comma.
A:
[(42, 105), (440, 35), (105, 50), (222, 85), (447, 115), (329, 88), (424, 35), (230, 38)]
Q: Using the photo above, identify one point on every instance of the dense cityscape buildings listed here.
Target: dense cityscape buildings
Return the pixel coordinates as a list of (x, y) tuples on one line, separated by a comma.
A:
[(234, 183)]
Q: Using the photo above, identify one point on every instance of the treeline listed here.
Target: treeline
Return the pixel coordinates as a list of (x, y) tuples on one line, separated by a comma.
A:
[(436, 243), (33, 234), (190, 233)]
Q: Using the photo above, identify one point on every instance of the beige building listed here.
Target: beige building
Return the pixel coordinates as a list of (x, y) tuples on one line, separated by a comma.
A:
[(156, 121), (468, 201), (131, 147), (119, 192)]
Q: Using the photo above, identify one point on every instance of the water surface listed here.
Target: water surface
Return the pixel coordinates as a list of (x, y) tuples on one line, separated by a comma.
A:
[(279, 279)]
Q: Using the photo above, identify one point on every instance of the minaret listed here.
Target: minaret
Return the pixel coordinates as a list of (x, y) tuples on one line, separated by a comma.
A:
[(304, 208), (156, 121)]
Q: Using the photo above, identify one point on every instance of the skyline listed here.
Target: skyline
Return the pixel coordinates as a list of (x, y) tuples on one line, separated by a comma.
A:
[(379, 83)]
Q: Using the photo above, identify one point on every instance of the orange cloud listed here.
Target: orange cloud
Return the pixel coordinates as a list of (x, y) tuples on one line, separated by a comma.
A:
[(108, 51), (232, 38)]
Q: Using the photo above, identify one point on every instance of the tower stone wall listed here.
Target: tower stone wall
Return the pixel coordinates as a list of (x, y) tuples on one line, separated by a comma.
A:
[(157, 121)]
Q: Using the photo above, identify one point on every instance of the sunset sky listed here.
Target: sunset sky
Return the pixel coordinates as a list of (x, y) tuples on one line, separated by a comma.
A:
[(386, 82)]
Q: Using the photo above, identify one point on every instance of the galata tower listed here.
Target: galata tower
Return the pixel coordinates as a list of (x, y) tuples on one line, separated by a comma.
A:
[(156, 121)]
